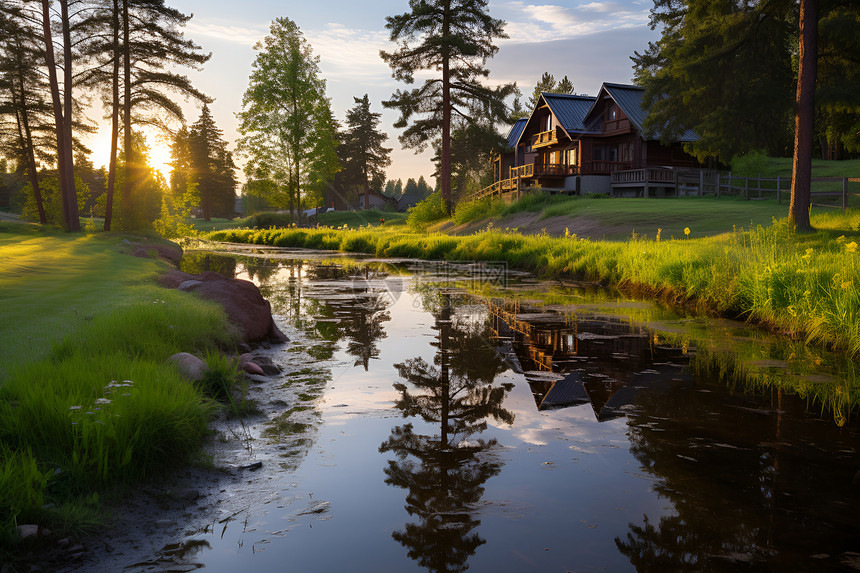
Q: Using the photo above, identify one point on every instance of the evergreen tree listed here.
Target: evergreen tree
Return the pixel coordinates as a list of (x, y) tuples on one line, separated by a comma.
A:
[(548, 84), (25, 116), (454, 39), (731, 83), (362, 156), (389, 189), (211, 167), (398, 189), (423, 188), (286, 119), (135, 48), (411, 189)]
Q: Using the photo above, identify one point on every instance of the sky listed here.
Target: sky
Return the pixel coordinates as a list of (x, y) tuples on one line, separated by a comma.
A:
[(590, 42)]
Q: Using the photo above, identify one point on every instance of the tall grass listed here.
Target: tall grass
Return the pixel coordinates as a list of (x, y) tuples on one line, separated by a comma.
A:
[(89, 402), (802, 284)]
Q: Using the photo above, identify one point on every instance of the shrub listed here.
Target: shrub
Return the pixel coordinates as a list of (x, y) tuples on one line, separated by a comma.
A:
[(427, 212)]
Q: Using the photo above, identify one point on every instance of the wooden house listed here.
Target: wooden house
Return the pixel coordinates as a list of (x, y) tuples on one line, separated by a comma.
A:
[(586, 144)]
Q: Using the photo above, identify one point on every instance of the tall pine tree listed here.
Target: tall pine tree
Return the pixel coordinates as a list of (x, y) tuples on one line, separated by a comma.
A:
[(453, 39), (362, 155)]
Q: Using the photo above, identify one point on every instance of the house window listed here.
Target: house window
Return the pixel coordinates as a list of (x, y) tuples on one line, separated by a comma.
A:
[(613, 112)]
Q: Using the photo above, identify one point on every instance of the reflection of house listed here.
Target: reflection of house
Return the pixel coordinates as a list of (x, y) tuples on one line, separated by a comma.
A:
[(573, 360), (586, 144)]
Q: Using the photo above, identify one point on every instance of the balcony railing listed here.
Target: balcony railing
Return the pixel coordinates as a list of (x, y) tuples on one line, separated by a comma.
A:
[(544, 138), (605, 167), (650, 174), (556, 170)]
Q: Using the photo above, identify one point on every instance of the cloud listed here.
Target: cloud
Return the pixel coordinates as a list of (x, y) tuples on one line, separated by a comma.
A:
[(350, 55), (529, 23), (236, 34)]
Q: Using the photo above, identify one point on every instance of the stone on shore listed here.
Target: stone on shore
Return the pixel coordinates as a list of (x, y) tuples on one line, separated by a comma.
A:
[(189, 365), (241, 300)]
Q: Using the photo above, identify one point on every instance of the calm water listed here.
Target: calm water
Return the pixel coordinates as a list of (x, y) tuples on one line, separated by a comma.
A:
[(442, 431)]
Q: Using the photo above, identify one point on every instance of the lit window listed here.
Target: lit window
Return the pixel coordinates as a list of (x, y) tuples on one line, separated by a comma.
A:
[(612, 112)]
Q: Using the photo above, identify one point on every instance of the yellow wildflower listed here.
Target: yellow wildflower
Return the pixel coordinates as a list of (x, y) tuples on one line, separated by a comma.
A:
[(566, 232), (846, 285), (687, 231), (851, 247), (841, 239), (659, 230)]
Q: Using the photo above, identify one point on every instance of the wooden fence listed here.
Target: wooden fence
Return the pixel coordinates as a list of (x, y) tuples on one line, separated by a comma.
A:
[(758, 188)]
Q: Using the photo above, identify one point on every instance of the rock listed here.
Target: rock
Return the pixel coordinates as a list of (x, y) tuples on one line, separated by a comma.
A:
[(189, 365), (241, 300), (246, 357), (252, 368), (189, 285), (170, 253), (244, 348), (27, 531), (266, 364)]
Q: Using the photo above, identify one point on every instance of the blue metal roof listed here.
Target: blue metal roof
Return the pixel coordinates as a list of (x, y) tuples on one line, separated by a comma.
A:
[(630, 99), (516, 132), (570, 110)]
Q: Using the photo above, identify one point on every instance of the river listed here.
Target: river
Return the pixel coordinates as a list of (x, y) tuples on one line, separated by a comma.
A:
[(435, 417)]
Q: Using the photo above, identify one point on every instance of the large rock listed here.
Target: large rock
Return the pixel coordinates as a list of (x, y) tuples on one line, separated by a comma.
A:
[(241, 299)]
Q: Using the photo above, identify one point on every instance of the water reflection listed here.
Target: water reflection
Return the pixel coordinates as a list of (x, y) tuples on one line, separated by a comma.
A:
[(444, 472)]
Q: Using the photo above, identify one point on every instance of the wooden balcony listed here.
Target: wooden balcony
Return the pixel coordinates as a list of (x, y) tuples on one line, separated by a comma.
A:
[(605, 167), (523, 171), (555, 170), (545, 138), (636, 177)]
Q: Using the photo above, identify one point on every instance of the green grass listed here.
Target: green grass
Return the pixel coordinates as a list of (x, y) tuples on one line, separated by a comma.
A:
[(802, 284), (87, 399), (356, 219)]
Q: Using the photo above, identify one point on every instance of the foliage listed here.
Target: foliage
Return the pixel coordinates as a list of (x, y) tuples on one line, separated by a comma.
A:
[(700, 76), (751, 164), (454, 39), (427, 211), (203, 166), (362, 156), (51, 200), (473, 210), (547, 83), (175, 213), (288, 132)]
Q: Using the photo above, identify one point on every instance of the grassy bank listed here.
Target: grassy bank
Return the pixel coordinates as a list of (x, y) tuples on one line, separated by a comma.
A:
[(87, 401), (801, 284)]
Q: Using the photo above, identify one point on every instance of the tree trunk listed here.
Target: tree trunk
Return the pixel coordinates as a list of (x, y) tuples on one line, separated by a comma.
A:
[(804, 117), (73, 222), (114, 126), (57, 105), (25, 139), (130, 165), (445, 167)]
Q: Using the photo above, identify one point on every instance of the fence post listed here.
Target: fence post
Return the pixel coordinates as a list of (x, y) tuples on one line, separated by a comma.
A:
[(747, 188), (778, 191), (844, 193), (701, 183), (717, 185), (759, 185)]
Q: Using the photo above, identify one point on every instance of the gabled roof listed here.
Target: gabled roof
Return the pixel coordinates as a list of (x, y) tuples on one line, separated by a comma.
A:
[(630, 99), (570, 110), (516, 132)]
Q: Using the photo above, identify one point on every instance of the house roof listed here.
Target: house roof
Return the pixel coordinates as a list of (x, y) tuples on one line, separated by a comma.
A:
[(570, 110), (630, 99), (516, 132)]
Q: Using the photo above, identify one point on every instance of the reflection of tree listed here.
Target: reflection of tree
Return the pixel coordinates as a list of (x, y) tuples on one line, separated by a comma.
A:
[(200, 262), (752, 479), (363, 326), (260, 269), (444, 473)]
